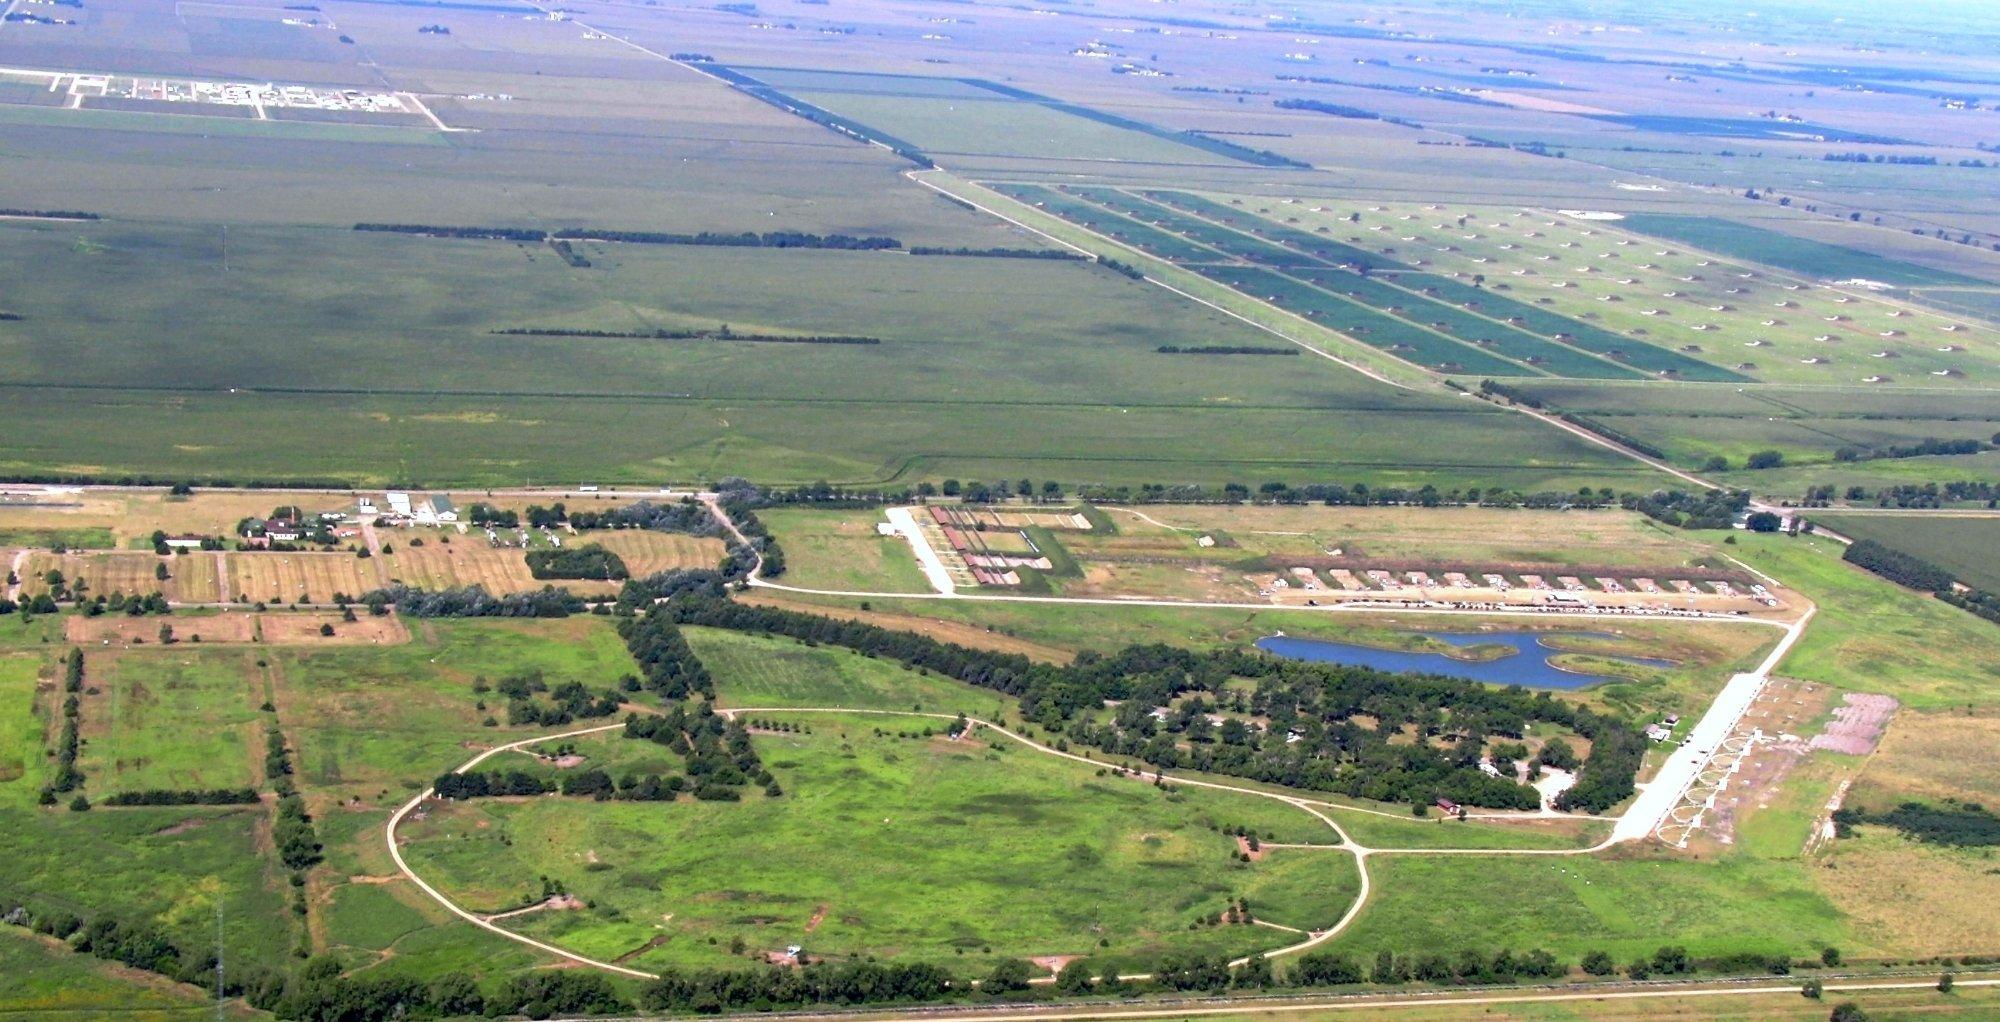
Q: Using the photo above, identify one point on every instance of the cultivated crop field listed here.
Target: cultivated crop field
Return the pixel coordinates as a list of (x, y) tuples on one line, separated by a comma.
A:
[(1781, 321), (1967, 547), (486, 407)]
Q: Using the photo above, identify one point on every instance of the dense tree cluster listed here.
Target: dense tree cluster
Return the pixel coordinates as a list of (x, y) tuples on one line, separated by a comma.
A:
[(1927, 447), (588, 561), (1898, 567), (1959, 824), (739, 500), (689, 516), (1314, 739), (568, 702), (718, 753), (592, 784)]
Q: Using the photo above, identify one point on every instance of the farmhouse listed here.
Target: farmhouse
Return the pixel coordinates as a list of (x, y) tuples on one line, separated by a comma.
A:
[(443, 509)]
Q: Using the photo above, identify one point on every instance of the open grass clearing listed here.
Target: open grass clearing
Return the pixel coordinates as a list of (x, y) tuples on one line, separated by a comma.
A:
[(179, 719), (753, 670), (969, 848), (376, 722), (1626, 905), (842, 550)]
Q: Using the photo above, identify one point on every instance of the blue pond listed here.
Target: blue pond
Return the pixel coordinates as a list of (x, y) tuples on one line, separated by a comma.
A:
[(1528, 666)]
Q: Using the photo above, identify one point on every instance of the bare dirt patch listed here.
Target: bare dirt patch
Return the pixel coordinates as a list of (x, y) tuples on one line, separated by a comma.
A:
[(1054, 963), (1857, 724), (122, 630), (1243, 847), (303, 629)]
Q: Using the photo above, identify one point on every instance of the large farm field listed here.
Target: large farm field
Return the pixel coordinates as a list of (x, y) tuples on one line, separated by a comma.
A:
[(1967, 547)]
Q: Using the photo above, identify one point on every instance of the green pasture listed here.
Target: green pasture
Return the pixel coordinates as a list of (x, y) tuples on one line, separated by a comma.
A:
[(170, 866), (1628, 906), (1871, 635), (758, 671), (40, 978), (842, 550), (903, 846), (179, 718), (379, 722)]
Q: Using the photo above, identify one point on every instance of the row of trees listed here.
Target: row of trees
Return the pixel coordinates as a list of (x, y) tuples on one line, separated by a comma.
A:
[(292, 830), (185, 797), (67, 777), (592, 784), (666, 662)]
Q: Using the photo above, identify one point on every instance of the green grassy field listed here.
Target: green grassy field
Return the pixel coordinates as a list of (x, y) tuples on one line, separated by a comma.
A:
[(1967, 547), (172, 719), (379, 722), (1083, 397), (1873, 636), (41, 979), (1628, 907), (751, 670), (1799, 255), (968, 849), (841, 550)]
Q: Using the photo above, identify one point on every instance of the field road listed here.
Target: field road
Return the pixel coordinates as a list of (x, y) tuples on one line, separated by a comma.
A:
[(396, 854), (1305, 805), (20, 562)]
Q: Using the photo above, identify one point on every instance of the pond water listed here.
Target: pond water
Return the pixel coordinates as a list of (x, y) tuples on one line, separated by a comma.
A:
[(1528, 666)]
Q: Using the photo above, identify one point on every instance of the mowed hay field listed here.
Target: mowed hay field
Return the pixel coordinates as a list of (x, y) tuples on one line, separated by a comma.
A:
[(645, 551), (192, 578), (275, 577)]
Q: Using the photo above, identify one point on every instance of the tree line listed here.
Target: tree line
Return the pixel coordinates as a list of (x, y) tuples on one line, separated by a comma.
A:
[(999, 253), (185, 797), (1224, 349), (723, 333), (67, 777), (739, 239)]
